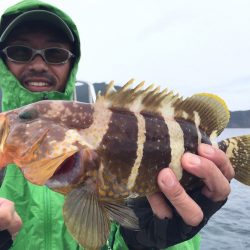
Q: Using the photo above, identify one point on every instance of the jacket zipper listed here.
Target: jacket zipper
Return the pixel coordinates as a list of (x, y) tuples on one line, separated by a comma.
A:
[(47, 220), (45, 97)]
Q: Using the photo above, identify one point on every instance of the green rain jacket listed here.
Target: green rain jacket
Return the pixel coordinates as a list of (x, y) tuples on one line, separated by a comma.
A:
[(39, 207)]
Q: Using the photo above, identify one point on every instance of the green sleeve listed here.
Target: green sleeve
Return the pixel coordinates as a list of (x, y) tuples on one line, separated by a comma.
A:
[(43, 227), (116, 242)]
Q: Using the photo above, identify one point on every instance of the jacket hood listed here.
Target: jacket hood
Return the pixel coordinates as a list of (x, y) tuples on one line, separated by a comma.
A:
[(14, 95)]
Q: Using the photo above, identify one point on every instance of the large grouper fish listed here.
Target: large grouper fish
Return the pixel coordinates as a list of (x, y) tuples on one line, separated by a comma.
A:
[(99, 154)]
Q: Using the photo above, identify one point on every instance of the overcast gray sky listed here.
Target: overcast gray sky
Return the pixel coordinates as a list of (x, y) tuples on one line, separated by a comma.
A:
[(188, 46)]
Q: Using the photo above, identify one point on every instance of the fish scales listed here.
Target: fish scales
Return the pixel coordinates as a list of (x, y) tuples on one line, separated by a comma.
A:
[(98, 155), (156, 153), (123, 133), (118, 150), (190, 134), (77, 115)]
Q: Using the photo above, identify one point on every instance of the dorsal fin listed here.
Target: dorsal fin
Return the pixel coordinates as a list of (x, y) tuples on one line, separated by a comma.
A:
[(133, 99), (207, 110)]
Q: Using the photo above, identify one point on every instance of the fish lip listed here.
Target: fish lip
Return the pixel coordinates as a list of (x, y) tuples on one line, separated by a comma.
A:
[(69, 173)]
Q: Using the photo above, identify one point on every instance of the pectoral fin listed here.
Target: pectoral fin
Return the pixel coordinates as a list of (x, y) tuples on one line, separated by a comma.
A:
[(122, 214), (86, 219)]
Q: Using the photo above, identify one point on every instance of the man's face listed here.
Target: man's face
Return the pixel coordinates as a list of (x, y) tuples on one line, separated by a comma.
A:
[(37, 75)]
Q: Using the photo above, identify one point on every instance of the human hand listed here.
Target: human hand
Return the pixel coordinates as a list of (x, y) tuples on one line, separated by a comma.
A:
[(212, 166), (174, 215), (9, 219)]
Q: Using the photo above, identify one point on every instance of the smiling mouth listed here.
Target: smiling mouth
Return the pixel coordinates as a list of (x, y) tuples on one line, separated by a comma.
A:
[(38, 86), (69, 173)]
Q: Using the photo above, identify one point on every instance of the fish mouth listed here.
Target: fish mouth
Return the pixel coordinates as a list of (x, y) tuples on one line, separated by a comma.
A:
[(69, 173)]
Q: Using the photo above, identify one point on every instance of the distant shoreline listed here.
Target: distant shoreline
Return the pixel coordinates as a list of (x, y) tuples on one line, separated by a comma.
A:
[(239, 119)]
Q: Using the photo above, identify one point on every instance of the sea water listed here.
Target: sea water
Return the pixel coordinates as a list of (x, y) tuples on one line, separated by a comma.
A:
[(229, 228)]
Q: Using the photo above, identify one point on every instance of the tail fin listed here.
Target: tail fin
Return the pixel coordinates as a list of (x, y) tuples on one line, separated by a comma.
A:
[(238, 151)]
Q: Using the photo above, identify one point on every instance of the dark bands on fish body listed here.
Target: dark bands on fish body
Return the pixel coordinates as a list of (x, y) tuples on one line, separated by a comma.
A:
[(204, 138), (119, 144), (156, 152), (223, 145), (190, 135), (157, 137), (98, 155)]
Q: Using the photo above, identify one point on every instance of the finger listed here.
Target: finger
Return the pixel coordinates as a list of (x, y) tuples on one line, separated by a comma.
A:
[(216, 187), (5, 203), (15, 225), (186, 207), (9, 219), (159, 206), (6, 213), (219, 158)]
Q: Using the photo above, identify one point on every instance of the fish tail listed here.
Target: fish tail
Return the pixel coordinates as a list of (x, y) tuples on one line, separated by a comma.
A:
[(238, 151)]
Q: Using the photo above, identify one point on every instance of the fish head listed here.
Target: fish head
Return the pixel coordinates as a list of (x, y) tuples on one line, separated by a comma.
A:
[(43, 139)]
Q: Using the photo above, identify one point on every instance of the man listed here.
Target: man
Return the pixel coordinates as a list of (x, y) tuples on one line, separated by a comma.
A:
[(40, 54)]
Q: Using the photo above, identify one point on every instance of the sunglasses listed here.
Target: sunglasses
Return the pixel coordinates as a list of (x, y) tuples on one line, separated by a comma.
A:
[(24, 54)]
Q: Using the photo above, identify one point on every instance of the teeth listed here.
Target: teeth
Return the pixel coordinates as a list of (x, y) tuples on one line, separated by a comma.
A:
[(38, 84)]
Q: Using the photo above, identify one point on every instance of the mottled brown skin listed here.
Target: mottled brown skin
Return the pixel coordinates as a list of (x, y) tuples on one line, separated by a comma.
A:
[(190, 132), (31, 129), (118, 153), (80, 116), (36, 125), (157, 136)]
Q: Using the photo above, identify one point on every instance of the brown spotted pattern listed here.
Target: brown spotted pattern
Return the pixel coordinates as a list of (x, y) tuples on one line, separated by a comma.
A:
[(156, 153), (191, 140), (70, 114), (118, 152), (60, 129), (44, 134), (190, 135)]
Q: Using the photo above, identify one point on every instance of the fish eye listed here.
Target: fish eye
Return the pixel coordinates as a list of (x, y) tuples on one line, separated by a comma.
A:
[(28, 114)]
